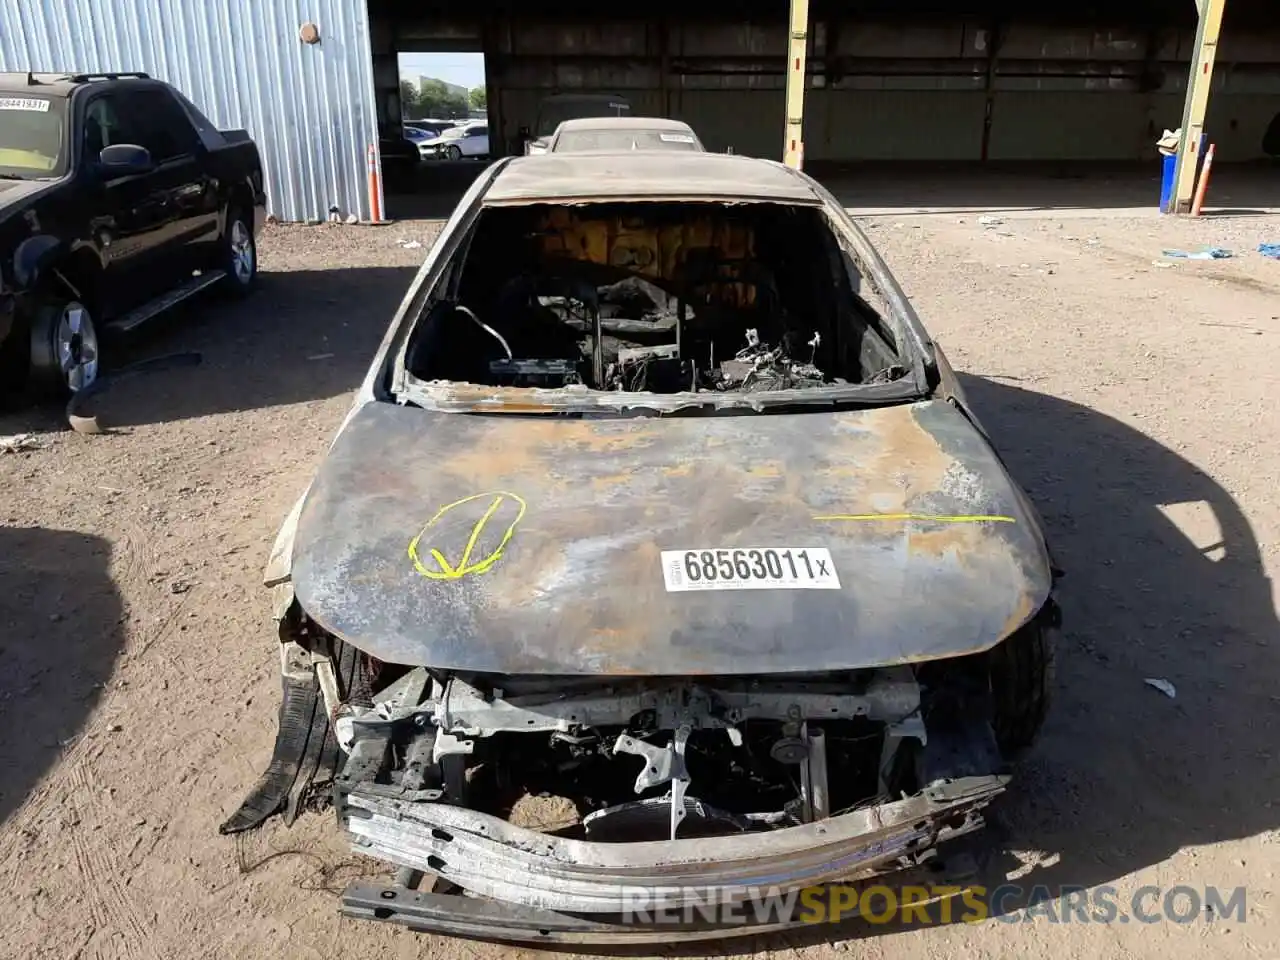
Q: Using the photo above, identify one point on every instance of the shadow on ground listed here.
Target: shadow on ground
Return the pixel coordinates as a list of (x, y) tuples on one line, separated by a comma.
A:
[(60, 634), (433, 190), (302, 336), (1123, 777)]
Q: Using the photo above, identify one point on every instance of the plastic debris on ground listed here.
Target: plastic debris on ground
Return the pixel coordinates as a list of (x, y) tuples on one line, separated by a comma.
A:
[(1164, 686), (1212, 253), (1271, 250), (410, 244), (990, 221), (20, 442)]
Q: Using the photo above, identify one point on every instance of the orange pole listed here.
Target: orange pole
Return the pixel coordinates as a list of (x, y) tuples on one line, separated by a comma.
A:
[(375, 194), (1202, 187)]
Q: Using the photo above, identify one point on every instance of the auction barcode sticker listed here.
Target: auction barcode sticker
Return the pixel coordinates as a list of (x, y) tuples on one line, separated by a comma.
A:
[(32, 104), (750, 568)]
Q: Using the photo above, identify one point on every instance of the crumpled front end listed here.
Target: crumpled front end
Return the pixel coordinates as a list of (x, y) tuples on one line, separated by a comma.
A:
[(553, 888), (611, 809)]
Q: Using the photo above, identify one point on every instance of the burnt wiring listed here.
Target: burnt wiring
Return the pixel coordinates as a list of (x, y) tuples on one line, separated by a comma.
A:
[(468, 312)]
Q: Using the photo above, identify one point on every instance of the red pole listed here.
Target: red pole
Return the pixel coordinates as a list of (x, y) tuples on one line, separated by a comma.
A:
[(1203, 186), (375, 193)]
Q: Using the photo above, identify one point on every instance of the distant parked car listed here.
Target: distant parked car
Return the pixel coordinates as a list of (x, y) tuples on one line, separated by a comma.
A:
[(118, 199), (419, 131), (616, 134), (467, 140), (557, 108)]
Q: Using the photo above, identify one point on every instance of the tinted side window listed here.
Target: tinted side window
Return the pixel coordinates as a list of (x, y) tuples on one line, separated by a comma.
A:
[(106, 125), (162, 124)]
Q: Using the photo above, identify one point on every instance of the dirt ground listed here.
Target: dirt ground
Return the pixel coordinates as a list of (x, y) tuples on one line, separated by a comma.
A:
[(1136, 401)]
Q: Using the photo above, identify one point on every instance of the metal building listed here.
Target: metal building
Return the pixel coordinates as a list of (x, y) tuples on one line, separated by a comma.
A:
[(884, 80), (309, 106)]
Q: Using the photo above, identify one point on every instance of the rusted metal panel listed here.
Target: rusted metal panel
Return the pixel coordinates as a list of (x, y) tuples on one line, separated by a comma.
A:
[(730, 39), (547, 536), (628, 38), (309, 107)]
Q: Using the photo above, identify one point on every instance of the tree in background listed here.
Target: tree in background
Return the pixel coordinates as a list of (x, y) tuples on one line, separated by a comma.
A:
[(408, 100), (437, 100), (431, 98)]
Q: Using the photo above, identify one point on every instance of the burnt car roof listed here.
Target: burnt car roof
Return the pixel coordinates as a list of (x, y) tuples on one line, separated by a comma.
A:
[(625, 123), (648, 175)]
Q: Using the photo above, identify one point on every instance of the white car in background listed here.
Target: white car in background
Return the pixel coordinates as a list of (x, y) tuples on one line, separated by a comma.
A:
[(465, 140), (621, 134)]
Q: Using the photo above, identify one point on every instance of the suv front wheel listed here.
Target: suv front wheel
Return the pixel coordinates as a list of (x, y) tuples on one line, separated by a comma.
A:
[(64, 348), (239, 257)]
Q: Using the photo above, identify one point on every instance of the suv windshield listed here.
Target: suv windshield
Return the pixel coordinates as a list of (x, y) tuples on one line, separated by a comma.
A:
[(33, 136)]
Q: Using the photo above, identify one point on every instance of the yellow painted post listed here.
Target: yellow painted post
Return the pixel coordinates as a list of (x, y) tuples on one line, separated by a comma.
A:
[(1199, 81), (793, 142)]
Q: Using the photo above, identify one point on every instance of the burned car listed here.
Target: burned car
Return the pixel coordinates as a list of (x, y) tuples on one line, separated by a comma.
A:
[(659, 559)]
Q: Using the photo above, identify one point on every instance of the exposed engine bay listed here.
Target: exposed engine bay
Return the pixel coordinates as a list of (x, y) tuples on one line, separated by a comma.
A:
[(440, 768), (569, 797), (653, 759), (649, 298)]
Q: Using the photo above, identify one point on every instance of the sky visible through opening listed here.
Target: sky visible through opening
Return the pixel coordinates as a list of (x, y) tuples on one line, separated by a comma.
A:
[(464, 69)]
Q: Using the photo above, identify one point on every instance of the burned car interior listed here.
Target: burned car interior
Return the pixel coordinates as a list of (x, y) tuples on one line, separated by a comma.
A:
[(654, 297)]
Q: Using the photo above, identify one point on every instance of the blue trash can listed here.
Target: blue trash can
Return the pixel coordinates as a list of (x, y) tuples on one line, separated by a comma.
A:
[(1169, 166)]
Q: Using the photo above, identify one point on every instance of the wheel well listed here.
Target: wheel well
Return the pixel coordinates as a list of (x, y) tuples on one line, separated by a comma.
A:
[(76, 275), (241, 199)]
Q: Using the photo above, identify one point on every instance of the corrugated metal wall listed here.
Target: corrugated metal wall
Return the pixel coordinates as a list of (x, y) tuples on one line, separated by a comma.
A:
[(309, 107), (899, 91)]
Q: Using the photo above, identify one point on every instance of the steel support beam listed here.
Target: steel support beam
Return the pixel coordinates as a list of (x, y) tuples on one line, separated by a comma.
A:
[(1199, 81), (793, 135)]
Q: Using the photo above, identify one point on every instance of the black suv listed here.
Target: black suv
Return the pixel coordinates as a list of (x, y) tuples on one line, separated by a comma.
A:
[(118, 199)]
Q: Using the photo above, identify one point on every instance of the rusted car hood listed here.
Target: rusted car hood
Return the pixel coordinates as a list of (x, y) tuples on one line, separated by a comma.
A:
[(536, 540)]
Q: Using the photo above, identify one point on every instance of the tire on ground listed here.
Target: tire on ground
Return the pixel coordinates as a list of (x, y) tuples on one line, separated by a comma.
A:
[(1021, 669), (235, 284), (46, 378)]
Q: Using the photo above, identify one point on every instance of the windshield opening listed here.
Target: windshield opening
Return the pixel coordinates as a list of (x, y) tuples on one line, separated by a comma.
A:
[(622, 140), (32, 136), (614, 300)]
